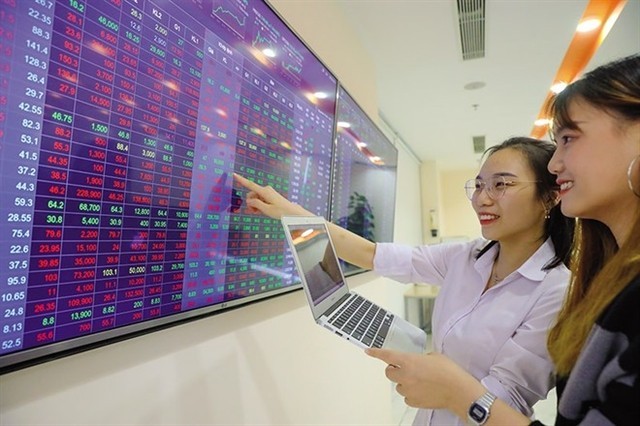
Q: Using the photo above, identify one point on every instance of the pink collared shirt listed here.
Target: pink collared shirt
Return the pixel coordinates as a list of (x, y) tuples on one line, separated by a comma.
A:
[(499, 336)]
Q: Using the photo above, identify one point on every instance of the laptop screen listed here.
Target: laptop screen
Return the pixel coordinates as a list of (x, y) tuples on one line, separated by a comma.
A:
[(317, 259)]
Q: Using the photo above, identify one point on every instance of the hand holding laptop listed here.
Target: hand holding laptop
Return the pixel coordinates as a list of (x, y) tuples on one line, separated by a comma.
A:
[(416, 374)]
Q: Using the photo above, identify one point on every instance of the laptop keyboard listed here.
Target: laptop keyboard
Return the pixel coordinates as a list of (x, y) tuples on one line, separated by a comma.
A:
[(363, 321)]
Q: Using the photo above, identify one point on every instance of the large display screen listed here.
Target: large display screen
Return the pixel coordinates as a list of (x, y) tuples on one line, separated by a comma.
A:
[(365, 174), (121, 123)]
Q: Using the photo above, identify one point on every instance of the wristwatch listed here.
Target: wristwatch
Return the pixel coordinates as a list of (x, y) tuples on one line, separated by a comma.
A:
[(479, 411)]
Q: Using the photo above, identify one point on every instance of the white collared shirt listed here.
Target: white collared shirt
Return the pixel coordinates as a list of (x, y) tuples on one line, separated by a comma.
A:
[(499, 336)]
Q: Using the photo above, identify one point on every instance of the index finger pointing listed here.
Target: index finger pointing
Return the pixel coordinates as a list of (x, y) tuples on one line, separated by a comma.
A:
[(252, 186)]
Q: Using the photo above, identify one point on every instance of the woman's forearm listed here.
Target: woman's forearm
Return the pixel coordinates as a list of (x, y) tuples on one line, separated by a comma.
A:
[(352, 247)]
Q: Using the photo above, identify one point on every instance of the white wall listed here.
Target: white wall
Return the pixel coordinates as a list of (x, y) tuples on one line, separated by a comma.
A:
[(431, 202), (458, 219), (266, 363)]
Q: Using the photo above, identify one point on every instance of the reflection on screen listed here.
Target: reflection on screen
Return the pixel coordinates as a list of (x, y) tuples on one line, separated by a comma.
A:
[(318, 261), (364, 183), (121, 123)]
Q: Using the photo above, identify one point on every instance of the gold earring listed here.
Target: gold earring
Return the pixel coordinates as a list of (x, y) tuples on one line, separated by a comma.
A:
[(629, 172)]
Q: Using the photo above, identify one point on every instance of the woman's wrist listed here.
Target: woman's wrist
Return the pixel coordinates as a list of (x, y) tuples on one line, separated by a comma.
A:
[(499, 413), (464, 395)]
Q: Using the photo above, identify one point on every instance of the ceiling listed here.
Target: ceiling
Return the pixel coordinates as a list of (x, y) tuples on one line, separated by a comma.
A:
[(415, 48)]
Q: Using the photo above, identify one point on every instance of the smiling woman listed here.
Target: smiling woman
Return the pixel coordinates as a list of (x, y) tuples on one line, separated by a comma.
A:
[(596, 127), (496, 298), (595, 343)]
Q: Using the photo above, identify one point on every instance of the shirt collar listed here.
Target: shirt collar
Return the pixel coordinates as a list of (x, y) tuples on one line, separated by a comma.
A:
[(531, 269)]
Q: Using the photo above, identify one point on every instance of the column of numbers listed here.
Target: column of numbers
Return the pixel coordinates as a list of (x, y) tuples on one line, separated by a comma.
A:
[(51, 192), (24, 52)]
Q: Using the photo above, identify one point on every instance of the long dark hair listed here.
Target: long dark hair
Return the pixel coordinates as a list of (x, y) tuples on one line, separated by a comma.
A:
[(600, 269), (559, 227)]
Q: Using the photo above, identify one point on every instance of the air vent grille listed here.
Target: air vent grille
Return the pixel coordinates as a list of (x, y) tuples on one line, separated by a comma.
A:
[(478, 144), (471, 19)]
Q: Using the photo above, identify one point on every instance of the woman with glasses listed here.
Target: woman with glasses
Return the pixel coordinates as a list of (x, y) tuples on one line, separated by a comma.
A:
[(498, 295), (595, 343)]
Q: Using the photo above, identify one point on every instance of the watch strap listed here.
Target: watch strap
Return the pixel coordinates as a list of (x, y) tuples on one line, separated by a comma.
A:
[(479, 411)]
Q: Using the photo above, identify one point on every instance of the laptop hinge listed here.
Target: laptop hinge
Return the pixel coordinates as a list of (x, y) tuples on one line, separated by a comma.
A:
[(333, 307)]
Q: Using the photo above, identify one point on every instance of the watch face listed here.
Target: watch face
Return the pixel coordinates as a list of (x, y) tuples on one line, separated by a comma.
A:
[(477, 413)]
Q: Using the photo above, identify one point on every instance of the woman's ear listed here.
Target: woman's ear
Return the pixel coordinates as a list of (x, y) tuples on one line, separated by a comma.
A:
[(553, 200)]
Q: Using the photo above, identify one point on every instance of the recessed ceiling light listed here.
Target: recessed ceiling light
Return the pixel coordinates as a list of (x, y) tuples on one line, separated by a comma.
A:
[(588, 25), (475, 85), (558, 87)]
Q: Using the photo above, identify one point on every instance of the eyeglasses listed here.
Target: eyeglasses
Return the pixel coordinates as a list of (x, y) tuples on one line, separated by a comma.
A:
[(496, 186)]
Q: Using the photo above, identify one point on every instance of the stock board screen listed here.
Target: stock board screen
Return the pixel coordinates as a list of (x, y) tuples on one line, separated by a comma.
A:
[(121, 124)]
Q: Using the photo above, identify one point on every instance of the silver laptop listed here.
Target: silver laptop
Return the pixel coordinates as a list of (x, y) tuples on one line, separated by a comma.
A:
[(333, 306)]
